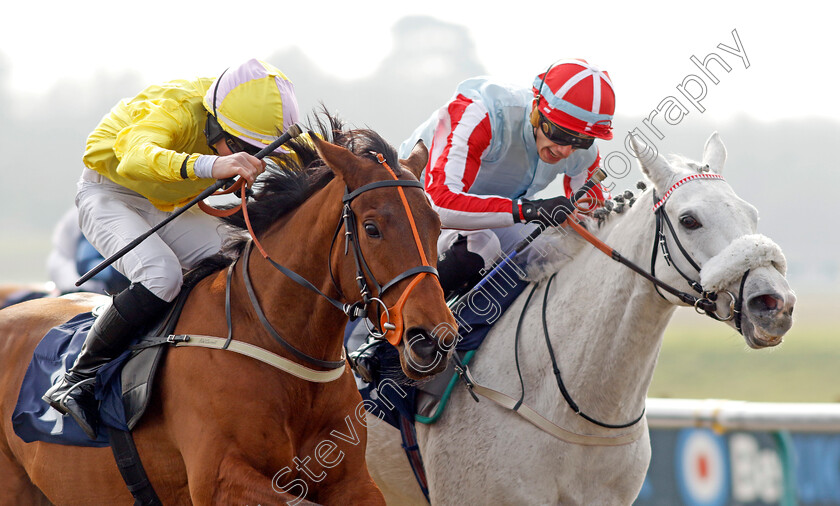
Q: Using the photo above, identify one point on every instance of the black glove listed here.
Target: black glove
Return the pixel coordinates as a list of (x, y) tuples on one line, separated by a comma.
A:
[(548, 212)]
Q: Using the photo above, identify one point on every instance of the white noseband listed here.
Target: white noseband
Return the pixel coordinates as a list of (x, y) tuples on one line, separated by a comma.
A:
[(744, 253)]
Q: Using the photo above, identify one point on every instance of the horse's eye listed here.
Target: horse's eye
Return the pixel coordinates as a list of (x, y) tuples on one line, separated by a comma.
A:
[(689, 222), (372, 231)]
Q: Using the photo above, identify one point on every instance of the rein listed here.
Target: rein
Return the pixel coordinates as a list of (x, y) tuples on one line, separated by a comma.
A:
[(392, 332), (559, 379), (687, 298), (519, 407), (705, 303)]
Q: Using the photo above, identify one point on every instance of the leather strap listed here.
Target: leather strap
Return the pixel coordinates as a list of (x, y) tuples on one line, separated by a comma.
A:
[(131, 468), (381, 184), (221, 213), (548, 426), (255, 304), (257, 353)]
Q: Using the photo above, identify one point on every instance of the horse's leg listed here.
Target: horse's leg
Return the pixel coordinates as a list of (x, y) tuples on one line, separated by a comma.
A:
[(355, 488), (389, 465), (17, 487), (234, 481)]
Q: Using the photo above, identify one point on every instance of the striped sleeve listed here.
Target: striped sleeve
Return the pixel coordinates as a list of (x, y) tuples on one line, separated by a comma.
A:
[(462, 136), (598, 192)]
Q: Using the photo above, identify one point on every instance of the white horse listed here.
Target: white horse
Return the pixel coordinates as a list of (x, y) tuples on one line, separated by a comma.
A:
[(606, 325)]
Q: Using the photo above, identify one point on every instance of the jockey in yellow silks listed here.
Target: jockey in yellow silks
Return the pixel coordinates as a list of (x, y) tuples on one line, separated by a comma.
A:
[(149, 155)]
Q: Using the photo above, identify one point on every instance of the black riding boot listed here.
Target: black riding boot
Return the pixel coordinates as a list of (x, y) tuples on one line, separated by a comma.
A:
[(459, 269), (129, 312), (365, 360)]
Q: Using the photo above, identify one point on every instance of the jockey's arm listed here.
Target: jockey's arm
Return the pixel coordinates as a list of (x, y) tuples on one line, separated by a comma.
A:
[(454, 169)]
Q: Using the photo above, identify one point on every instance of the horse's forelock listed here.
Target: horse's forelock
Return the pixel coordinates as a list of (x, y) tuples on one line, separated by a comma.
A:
[(367, 144), (677, 162)]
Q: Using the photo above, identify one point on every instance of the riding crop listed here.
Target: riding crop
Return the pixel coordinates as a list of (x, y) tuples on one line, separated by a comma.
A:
[(292, 132), (597, 176)]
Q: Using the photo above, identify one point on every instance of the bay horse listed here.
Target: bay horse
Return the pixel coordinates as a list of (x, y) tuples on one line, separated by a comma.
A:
[(604, 326), (224, 428)]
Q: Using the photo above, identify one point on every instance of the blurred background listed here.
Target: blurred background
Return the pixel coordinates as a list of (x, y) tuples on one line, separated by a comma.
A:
[(389, 65)]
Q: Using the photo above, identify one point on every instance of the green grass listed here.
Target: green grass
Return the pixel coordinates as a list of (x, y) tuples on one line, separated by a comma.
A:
[(702, 359)]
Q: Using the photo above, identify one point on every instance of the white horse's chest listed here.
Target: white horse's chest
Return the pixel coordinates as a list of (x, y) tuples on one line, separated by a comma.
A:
[(520, 464)]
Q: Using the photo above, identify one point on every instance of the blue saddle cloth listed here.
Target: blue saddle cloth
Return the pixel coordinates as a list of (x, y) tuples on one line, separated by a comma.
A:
[(392, 398), (34, 420)]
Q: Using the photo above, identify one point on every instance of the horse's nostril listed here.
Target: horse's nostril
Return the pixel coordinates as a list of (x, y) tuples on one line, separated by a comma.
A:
[(770, 302), (420, 341), (766, 303)]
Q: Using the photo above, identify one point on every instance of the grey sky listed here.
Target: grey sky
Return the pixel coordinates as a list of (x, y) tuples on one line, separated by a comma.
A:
[(646, 46), (63, 66)]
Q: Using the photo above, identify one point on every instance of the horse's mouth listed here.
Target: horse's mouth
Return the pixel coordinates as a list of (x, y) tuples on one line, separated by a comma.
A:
[(758, 338), (767, 318), (422, 355)]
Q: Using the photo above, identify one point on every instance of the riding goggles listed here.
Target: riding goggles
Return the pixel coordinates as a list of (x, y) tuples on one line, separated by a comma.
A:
[(564, 137), (237, 146)]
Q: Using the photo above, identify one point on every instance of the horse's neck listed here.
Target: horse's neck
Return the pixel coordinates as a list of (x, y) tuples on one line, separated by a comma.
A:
[(300, 243), (606, 324)]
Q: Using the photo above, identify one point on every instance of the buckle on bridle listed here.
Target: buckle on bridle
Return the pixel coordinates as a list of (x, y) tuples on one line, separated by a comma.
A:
[(707, 300), (355, 311), (714, 314)]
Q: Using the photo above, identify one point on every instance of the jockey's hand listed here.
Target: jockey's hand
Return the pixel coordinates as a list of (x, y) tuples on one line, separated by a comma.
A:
[(548, 212), (238, 164)]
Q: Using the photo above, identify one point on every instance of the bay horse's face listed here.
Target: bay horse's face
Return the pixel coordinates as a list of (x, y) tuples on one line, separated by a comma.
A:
[(396, 230)]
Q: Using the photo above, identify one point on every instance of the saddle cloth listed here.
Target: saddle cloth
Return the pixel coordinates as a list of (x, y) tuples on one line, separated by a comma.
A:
[(123, 387)]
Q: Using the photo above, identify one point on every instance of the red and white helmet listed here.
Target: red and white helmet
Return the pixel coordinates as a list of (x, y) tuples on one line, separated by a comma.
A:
[(576, 95)]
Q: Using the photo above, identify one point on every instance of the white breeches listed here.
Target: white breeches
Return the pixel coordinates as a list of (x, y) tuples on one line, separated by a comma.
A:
[(111, 216), (491, 243)]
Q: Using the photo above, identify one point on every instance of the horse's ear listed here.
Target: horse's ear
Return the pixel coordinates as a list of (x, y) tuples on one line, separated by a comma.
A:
[(653, 165), (342, 161), (714, 153), (417, 160)]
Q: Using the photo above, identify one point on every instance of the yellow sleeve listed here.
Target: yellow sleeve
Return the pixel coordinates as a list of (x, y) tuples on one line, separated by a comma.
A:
[(151, 147)]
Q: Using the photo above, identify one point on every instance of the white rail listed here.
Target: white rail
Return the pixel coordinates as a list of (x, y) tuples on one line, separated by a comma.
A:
[(726, 415)]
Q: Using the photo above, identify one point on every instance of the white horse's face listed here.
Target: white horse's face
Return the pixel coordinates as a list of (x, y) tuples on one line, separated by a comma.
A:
[(718, 231)]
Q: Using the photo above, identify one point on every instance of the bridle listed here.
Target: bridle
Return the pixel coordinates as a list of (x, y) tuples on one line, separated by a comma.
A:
[(705, 304), (388, 329)]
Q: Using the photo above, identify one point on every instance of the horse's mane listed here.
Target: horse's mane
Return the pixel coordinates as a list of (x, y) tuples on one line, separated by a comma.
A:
[(564, 249), (291, 179)]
